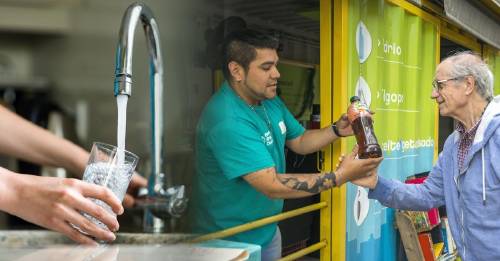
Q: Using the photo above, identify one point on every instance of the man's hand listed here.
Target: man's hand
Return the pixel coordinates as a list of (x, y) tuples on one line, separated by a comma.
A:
[(344, 126), (370, 181), (54, 203), (351, 168), (136, 182)]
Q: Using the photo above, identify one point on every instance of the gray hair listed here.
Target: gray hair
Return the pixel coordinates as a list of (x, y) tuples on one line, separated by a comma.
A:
[(468, 63)]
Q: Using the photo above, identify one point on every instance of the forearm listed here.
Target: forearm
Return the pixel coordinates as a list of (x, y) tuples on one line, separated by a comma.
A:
[(302, 185), (290, 185), (24, 140), (8, 185), (395, 194), (314, 140)]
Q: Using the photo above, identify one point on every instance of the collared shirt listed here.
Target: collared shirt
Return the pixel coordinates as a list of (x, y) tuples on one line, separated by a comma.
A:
[(465, 142)]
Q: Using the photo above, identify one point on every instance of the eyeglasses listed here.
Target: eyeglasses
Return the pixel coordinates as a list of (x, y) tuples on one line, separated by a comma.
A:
[(439, 85)]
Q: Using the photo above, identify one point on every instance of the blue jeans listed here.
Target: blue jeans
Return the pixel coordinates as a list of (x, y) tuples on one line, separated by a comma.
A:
[(272, 251)]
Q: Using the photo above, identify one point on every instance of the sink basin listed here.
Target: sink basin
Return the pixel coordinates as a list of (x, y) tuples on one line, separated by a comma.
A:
[(46, 245), (41, 238)]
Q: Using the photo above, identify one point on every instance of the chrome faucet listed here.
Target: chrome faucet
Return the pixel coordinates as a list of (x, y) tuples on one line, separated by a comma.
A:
[(156, 188)]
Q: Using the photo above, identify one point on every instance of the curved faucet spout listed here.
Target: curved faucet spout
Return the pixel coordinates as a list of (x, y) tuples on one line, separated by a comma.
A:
[(123, 82), (123, 71)]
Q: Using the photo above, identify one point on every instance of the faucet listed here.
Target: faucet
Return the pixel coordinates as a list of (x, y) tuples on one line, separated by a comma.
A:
[(156, 188)]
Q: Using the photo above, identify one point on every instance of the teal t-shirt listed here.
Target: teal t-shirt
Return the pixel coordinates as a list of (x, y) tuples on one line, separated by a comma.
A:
[(234, 139)]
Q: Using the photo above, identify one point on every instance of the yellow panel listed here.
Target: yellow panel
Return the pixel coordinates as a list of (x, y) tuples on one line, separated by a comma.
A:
[(452, 33), (448, 31), (339, 196), (326, 112), (436, 116), (489, 51), (493, 5), (218, 79), (432, 7), (415, 10)]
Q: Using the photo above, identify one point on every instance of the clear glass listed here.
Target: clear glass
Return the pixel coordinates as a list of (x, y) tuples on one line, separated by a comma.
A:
[(110, 167)]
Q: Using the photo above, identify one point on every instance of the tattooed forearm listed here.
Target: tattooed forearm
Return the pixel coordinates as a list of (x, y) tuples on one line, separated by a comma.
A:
[(308, 183)]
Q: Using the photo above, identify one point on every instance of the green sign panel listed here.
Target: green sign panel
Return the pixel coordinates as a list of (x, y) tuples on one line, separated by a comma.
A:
[(494, 63), (391, 63)]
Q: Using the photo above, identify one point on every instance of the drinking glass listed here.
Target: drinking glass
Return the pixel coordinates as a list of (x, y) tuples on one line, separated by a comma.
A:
[(111, 167)]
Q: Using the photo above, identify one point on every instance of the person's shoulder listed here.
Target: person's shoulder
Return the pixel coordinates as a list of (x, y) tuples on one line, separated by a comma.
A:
[(494, 125), (492, 118), (223, 113), (220, 106)]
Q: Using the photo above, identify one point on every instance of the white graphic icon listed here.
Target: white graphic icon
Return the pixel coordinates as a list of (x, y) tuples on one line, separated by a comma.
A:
[(363, 91), (282, 127), (361, 206), (363, 42)]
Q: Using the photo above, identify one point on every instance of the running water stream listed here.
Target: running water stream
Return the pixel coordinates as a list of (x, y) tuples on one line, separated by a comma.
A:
[(121, 101)]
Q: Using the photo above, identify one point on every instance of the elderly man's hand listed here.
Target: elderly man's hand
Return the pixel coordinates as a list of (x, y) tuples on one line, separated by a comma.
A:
[(137, 182), (370, 181)]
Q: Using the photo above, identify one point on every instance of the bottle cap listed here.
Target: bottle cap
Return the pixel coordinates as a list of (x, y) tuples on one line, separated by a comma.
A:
[(354, 98)]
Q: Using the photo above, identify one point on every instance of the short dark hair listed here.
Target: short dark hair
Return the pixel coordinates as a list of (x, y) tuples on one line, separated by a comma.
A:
[(240, 46)]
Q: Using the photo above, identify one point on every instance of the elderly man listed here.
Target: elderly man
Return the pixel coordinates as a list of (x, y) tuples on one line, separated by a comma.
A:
[(466, 178)]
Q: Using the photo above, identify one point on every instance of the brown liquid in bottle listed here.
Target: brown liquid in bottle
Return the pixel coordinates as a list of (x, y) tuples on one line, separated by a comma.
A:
[(362, 126)]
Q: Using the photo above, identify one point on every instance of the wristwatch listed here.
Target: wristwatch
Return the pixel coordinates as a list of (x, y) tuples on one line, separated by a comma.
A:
[(336, 130)]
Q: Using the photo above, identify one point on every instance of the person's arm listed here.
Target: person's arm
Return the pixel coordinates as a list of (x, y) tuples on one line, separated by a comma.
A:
[(22, 139), (54, 203), (313, 140), (396, 194), (276, 185)]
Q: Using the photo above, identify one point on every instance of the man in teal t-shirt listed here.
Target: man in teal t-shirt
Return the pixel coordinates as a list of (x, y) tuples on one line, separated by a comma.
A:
[(240, 141)]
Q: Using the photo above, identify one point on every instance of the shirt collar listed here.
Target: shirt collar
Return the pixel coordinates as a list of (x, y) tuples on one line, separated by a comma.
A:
[(472, 131)]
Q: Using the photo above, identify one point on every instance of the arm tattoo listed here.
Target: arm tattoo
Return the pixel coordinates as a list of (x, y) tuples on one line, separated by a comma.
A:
[(309, 183)]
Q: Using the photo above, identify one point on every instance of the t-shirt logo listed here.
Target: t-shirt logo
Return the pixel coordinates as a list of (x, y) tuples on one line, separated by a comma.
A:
[(282, 127), (267, 138)]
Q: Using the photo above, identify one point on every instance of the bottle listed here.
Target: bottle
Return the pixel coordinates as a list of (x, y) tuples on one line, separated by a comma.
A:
[(362, 126), (314, 122)]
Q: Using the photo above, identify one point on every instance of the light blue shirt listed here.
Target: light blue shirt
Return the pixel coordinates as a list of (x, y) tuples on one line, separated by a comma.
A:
[(471, 195)]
